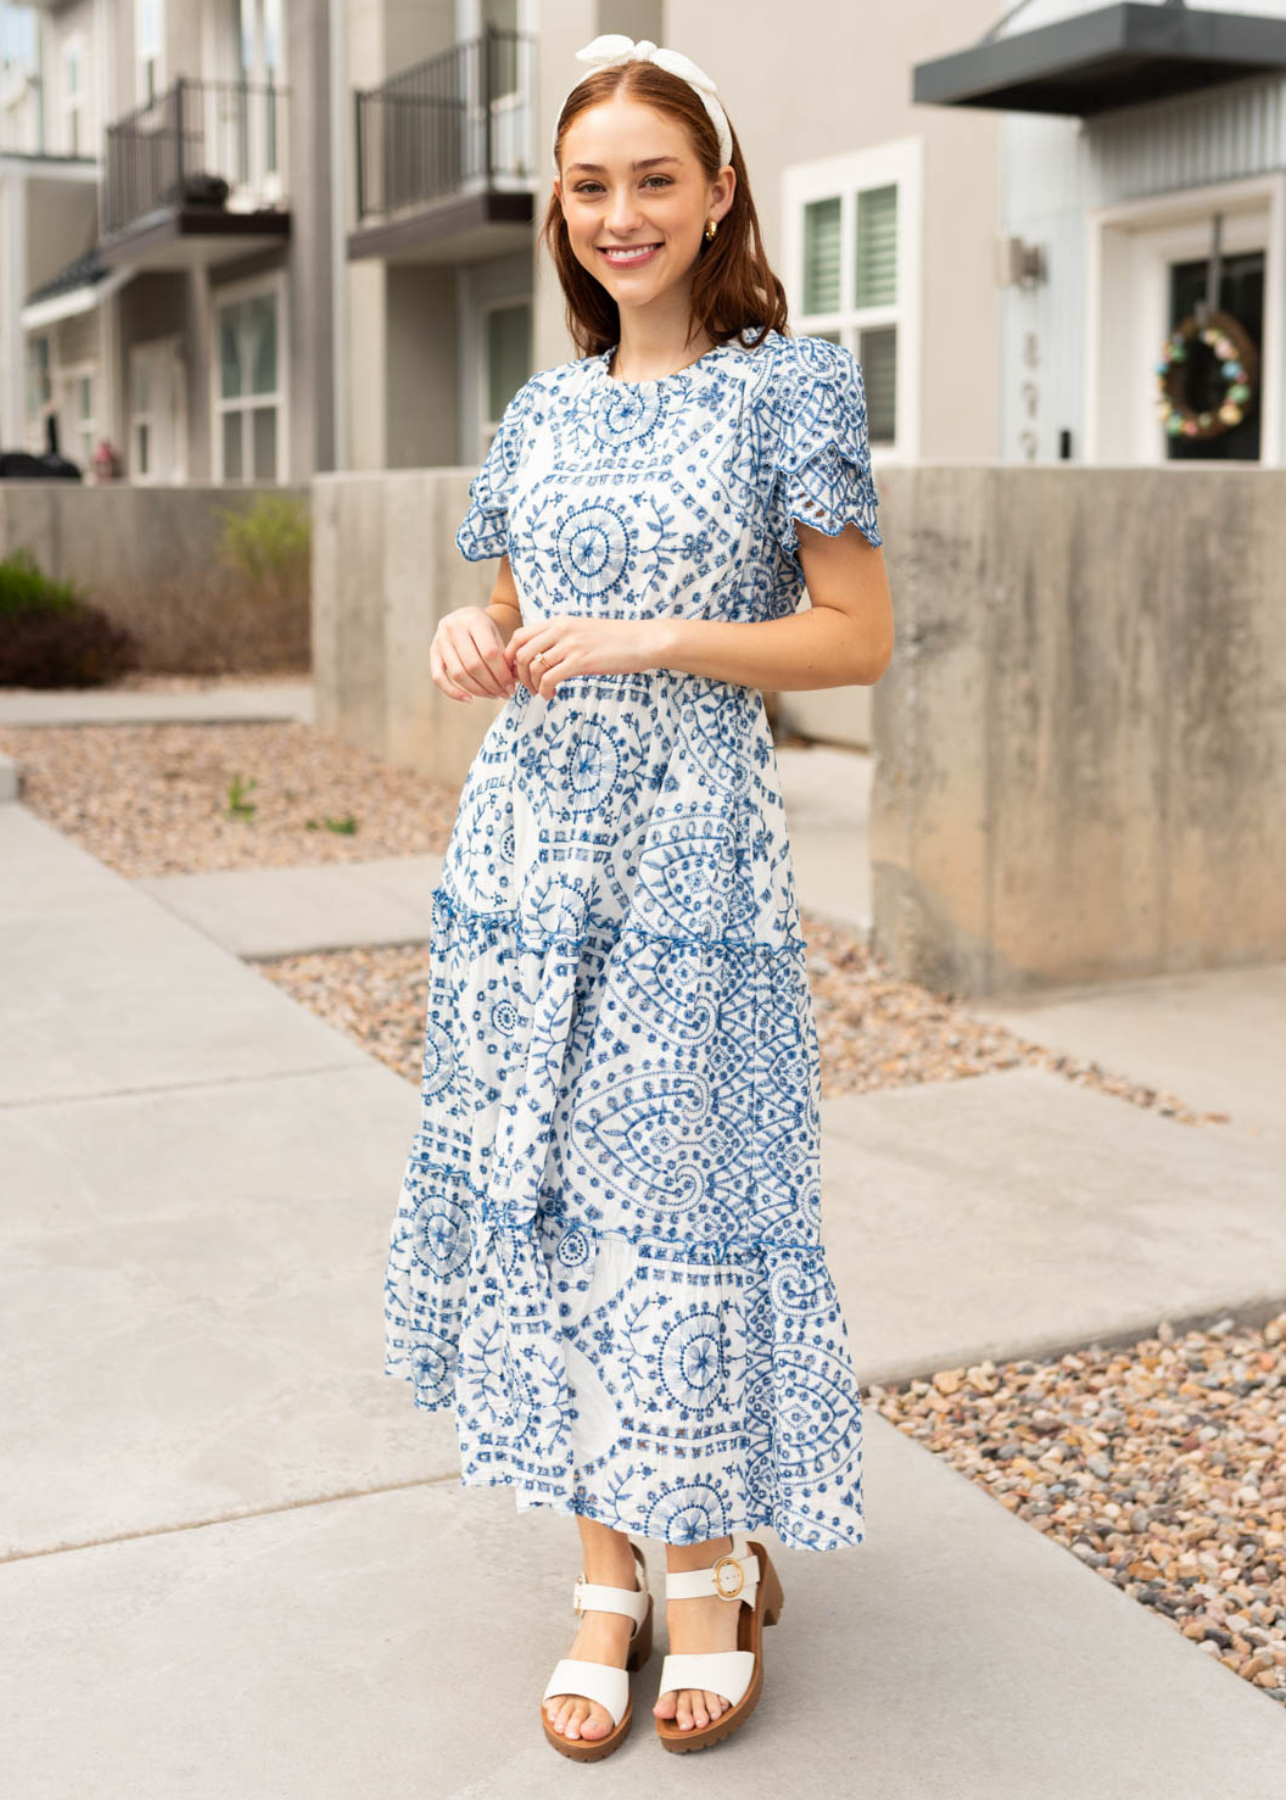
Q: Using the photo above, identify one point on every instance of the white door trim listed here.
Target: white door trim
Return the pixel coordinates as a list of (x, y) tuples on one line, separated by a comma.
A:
[(1127, 249)]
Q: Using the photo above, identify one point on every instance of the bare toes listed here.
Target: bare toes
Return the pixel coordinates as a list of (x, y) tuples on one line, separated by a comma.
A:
[(666, 1704)]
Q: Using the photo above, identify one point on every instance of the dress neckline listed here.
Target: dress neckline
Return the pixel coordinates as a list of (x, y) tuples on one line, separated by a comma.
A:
[(604, 374)]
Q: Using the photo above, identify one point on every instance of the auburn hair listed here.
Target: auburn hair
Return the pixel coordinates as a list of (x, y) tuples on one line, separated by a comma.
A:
[(734, 288)]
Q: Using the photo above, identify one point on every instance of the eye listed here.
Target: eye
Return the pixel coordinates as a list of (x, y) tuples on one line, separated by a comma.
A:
[(587, 187)]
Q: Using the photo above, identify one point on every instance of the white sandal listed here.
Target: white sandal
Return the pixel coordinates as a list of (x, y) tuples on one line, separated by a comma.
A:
[(603, 1682), (745, 1575)]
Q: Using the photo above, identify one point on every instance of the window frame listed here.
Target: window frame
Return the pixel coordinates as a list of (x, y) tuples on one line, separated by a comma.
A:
[(146, 91), (74, 110), (233, 294), (897, 164), (495, 303), (47, 403)]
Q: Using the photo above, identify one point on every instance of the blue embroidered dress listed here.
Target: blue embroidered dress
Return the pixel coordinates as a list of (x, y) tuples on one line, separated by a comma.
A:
[(605, 1257)]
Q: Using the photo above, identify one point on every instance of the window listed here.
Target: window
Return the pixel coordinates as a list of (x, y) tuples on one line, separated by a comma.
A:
[(261, 67), (75, 136), (852, 262), (20, 80), (249, 397), (148, 49), (506, 350), (40, 391)]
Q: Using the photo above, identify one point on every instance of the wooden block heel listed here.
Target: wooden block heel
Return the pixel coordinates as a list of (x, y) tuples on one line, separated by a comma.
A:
[(774, 1599), (641, 1643)]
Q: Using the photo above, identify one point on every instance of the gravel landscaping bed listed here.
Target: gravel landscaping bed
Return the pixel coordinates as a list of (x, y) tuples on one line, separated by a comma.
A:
[(156, 799), (873, 1031), (1162, 1466)]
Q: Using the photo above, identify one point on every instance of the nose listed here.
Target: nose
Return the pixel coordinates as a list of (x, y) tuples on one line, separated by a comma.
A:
[(623, 214)]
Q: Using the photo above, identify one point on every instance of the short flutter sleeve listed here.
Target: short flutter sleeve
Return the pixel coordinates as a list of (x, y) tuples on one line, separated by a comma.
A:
[(484, 530), (819, 444)]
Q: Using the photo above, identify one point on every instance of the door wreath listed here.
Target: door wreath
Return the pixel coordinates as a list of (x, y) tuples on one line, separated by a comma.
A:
[(1238, 361)]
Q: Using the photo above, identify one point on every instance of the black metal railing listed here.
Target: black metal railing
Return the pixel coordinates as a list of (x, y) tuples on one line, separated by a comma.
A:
[(463, 116), (198, 142)]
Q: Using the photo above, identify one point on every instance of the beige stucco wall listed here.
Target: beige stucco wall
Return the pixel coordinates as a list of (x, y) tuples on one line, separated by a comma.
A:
[(402, 334), (839, 80)]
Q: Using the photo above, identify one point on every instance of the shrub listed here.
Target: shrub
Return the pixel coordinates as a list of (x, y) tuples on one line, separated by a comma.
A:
[(270, 543), (25, 588), (50, 636)]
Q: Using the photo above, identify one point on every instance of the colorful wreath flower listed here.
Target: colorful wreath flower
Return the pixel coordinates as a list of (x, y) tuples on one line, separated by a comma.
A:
[(1238, 367)]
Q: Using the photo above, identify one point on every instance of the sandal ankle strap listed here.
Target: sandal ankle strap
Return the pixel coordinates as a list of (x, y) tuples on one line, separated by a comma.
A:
[(592, 1596), (732, 1577)]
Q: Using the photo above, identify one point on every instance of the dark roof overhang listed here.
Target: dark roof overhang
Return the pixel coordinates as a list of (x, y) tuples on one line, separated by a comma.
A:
[(1121, 55)]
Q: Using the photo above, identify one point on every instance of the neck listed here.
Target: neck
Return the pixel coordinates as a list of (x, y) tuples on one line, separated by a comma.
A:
[(653, 346)]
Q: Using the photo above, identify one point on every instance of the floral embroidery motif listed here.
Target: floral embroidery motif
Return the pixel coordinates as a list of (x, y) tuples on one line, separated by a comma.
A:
[(605, 1258)]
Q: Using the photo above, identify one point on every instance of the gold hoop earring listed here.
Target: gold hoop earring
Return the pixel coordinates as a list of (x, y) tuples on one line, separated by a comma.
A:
[(712, 225)]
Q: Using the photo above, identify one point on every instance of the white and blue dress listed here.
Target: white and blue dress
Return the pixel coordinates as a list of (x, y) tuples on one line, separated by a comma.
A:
[(605, 1257)]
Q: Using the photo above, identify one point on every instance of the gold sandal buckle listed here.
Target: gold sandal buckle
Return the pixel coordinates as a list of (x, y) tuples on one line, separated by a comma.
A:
[(728, 1593)]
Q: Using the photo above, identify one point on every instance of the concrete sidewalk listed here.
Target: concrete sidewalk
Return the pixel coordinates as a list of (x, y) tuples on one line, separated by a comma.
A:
[(333, 906), (238, 1550), (220, 703)]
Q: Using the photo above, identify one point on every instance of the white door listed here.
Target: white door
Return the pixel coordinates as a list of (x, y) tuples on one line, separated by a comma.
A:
[(1147, 268), (158, 413)]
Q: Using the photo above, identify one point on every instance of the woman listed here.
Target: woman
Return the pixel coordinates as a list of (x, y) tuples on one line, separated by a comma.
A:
[(605, 1257)]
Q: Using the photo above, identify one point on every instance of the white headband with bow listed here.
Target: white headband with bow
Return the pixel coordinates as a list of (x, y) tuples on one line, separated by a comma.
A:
[(612, 47)]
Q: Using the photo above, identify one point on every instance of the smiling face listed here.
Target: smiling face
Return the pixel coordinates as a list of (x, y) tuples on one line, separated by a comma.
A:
[(636, 199)]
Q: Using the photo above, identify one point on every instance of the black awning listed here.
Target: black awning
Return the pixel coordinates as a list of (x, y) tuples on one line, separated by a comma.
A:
[(1122, 55), (85, 271)]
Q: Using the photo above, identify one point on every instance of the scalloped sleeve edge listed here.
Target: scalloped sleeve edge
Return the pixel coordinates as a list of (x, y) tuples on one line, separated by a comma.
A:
[(823, 477)]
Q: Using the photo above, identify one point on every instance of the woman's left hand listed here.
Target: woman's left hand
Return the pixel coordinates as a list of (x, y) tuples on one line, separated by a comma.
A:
[(573, 645)]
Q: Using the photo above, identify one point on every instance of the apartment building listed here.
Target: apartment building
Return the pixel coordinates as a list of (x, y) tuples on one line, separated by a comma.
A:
[(1141, 224), (1004, 214), (165, 276), (451, 305), (180, 276)]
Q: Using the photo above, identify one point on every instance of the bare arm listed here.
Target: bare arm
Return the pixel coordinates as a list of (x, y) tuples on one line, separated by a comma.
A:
[(505, 607), (845, 640)]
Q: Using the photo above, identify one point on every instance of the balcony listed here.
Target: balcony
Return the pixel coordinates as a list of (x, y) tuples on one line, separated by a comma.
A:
[(446, 159), (196, 176)]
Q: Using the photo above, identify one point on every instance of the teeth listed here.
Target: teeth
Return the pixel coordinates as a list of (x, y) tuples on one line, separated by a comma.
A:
[(628, 255)]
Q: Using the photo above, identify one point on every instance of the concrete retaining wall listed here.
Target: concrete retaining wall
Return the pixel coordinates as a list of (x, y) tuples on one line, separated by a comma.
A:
[(1081, 741), (149, 557), (385, 570)]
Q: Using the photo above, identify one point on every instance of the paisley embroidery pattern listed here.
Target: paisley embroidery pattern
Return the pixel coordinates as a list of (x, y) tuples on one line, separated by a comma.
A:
[(605, 1257)]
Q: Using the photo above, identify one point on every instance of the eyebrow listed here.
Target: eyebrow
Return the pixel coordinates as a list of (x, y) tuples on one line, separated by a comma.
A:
[(648, 162)]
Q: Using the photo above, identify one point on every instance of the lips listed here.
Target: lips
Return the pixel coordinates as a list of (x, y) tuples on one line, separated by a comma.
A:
[(620, 253)]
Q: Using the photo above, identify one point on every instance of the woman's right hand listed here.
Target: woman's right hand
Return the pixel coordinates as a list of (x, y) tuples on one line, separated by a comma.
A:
[(467, 656)]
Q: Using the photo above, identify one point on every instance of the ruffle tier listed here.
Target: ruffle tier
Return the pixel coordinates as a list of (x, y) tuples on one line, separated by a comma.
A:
[(606, 1257)]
